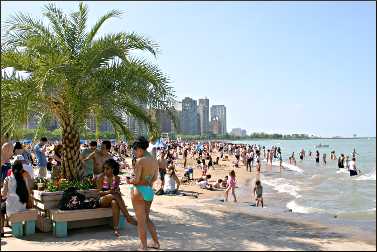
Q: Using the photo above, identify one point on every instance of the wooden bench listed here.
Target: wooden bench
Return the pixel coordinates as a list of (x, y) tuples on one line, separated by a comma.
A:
[(23, 223), (60, 218)]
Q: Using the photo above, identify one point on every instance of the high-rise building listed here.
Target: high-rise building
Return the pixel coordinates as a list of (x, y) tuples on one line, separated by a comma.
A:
[(203, 110), (164, 120), (90, 124), (189, 121), (238, 132), (220, 112), (215, 125), (34, 119)]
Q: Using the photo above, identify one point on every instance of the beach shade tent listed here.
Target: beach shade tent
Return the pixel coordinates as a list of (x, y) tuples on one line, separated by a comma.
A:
[(199, 147), (159, 144)]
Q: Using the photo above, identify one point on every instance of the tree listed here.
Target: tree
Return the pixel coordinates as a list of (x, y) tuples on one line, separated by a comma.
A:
[(73, 73)]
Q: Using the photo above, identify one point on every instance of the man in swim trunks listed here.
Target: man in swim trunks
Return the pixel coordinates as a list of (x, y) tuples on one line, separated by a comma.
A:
[(162, 166)]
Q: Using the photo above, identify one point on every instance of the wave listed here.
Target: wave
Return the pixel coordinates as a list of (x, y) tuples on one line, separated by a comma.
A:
[(283, 186), (342, 170), (296, 208), (368, 176), (286, 165), (289, 166)]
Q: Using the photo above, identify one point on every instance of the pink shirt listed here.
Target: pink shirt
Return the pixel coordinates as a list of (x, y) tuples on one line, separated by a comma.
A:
[(231, 182)]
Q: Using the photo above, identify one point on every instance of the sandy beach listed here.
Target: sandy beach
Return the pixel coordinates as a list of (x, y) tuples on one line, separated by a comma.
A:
[(205, 223)]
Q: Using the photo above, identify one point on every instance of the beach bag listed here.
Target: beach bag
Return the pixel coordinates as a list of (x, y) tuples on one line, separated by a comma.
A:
[(71, 200), (91, 203)]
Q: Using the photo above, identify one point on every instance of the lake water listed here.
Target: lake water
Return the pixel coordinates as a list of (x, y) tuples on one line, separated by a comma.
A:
[(311, 188)]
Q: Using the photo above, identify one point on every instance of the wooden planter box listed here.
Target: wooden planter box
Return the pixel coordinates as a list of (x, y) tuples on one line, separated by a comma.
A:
[(45, 201), (50, 200)]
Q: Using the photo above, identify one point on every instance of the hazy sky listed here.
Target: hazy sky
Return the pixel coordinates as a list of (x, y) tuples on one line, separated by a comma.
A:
[(288, 67)]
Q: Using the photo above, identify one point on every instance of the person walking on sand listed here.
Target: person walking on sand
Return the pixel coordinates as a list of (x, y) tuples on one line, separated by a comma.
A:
[(248, 163), (324, 158), (231, 185), (258, 166)]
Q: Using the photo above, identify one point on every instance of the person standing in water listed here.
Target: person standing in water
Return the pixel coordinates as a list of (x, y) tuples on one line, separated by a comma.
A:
[(280, 158), (347, 161), (324, 158), (317, 156), (352, 167), (341, 161), (302, 154)]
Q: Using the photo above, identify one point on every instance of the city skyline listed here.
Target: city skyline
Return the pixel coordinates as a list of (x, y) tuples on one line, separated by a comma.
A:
[(279, 68)]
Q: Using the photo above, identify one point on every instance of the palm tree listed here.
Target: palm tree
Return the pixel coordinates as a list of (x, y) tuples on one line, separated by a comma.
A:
[(73, 73)]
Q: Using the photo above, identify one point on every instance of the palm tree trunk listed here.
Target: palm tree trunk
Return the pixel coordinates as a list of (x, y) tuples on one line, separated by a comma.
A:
[(71, 150)]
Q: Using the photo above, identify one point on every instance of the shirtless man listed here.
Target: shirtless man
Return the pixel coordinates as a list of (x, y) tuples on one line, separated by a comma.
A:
[(162, 166), (99, 157)]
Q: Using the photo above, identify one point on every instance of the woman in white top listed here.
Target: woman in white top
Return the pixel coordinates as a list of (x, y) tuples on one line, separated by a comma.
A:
[(352, 167), (172, 183), (14, 194)]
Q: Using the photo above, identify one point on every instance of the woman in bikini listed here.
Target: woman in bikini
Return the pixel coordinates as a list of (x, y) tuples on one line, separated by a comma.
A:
[(146, 173), (108, 184)]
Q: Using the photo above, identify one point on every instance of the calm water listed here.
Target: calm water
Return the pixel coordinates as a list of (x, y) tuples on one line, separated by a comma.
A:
[(312, 188)]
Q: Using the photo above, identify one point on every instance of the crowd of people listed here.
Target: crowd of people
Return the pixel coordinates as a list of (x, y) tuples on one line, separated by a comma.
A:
[(102, 161)]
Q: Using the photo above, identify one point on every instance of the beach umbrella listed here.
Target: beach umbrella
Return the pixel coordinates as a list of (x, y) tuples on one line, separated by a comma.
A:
[(27, 141), (82, 141)]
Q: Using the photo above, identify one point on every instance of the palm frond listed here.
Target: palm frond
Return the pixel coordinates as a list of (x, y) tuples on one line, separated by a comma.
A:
[(135, 41), (100, 22)]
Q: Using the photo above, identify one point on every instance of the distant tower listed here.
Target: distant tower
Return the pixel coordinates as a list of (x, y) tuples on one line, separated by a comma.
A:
[(220, 112), (203, 110)]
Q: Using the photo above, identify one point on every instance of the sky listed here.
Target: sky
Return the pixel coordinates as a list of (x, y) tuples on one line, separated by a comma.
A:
[(278, 67)]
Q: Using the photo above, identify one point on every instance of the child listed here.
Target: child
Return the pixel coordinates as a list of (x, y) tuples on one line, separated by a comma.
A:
[(224, 183), (204, 169), (218, 184), (258, 190), (203, 182), (258, 166), (231, 185)]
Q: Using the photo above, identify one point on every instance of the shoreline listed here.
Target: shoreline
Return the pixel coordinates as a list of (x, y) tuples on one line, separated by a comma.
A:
[(205, 223)]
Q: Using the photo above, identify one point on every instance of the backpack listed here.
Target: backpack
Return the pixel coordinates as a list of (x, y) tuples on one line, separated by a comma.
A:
[(71, 200)]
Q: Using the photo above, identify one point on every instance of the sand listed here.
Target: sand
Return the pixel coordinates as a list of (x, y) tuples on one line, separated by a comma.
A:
[(205, 223)]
